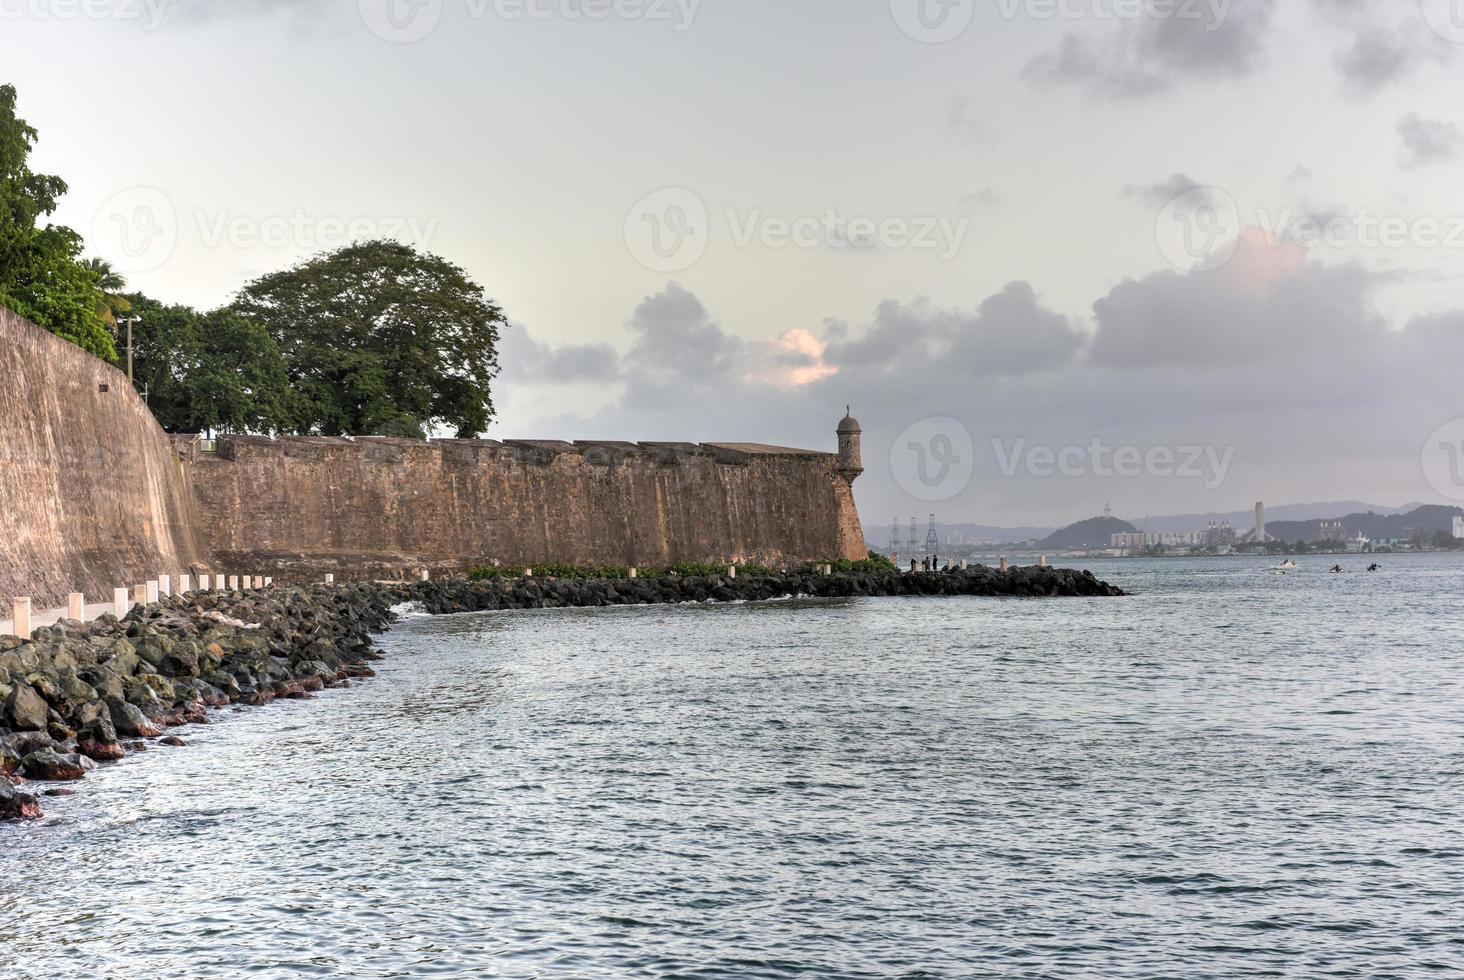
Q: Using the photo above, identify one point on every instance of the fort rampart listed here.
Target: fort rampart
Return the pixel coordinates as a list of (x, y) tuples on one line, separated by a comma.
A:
[(94, 495)]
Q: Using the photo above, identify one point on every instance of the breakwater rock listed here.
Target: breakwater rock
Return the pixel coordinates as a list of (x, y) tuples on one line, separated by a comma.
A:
[(76, 695), (455, 595)]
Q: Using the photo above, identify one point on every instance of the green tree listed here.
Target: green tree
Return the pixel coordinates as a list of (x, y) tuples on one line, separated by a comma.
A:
[(111, 304), (377, 336), (205, 372), (41, 275)]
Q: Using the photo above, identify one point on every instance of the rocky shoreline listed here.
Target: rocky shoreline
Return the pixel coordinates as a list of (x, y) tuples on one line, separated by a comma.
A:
[(76, 695)]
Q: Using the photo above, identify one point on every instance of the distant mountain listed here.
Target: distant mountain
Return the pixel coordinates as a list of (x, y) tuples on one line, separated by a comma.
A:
[(1242, 520), (1096, 532), (1427, 520), (1245, 520)]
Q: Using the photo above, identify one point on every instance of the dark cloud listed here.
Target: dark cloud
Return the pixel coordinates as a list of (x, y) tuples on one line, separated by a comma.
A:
[(529, 361), (1152, 54), (1426, 141), (1010, 334), (1380, 49), (676, 340)]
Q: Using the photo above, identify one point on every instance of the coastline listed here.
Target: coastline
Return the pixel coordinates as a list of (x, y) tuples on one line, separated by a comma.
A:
[(76, 695)]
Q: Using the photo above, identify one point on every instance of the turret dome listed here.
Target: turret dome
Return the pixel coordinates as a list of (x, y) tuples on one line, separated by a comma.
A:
[(850, 425)]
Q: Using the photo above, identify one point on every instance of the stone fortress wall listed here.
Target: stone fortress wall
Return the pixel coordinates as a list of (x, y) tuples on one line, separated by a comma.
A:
[(334, 505), (94, 495)]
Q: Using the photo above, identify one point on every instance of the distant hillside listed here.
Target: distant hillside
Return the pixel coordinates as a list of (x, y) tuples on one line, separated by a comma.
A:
[(1427, 520), (1095, 532), (1244, 520)]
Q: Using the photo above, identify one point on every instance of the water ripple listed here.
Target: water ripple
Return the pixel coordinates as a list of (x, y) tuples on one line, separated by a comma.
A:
[(1218, 777)]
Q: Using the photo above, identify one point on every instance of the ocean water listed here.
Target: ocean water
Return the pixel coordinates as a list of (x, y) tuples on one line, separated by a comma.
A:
[(1230, 773)]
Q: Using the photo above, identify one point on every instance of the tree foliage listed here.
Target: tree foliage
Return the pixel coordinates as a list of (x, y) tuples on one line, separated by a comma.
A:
[(209, 371), (41, 275), (379, 337)]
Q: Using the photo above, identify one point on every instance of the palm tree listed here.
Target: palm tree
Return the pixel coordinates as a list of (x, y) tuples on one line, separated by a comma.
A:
[(111, 303)]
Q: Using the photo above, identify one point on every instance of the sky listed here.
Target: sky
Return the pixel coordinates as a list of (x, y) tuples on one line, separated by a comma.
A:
[(1169, 255)]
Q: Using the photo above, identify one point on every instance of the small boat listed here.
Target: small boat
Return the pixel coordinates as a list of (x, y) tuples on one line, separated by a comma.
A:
[(1287, 566)]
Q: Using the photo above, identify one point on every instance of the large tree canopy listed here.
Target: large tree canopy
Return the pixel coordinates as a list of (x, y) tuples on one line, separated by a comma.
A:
[(41, 275), (209, 371), (378, 338)]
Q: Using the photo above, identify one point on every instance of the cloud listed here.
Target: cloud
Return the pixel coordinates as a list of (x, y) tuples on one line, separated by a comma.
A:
[(529, 361), (1301, 175), (1151, 54), (1426, 141), (794, 359), (1284, 360), (1161, 193), (977, 200), (1010, 334), (1379, 51), (965, 121), (677, 341), (1266, 305)]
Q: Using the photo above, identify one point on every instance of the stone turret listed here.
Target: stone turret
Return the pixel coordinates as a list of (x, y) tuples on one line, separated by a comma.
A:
[(851, 466)]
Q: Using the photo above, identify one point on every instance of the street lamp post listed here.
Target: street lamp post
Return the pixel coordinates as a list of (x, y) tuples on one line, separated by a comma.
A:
[(129, 320)]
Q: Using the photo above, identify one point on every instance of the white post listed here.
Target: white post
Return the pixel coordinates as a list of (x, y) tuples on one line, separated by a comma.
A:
[(139, 595), (20, 619), (268, 581), (152, 592), (1042, 561), (965, 564), (635, 573), (183, 584), (1006, 565), (203, 583), (165, 585), (76, 607), (233, 583), (426, 575), (259, 581), (731, 571), (330, 580), (119, 603), (528, 573)]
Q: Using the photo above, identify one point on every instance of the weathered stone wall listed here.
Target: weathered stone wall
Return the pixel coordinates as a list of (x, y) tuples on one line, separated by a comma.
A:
[(92, 495), (302, 506)]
